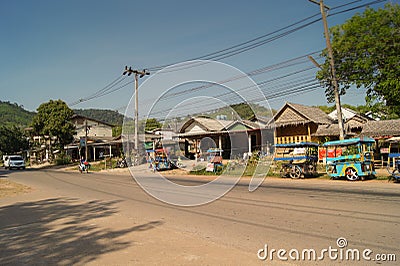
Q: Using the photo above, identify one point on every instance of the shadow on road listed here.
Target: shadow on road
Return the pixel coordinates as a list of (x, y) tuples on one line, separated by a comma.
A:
[(3, 173), (59, 231)]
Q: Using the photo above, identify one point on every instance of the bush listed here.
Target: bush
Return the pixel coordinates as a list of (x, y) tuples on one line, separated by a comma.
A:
[(201, 170), (63, 159)]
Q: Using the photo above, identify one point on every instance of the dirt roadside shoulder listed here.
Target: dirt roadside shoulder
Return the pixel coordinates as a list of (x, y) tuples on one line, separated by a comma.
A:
[(9, 188)]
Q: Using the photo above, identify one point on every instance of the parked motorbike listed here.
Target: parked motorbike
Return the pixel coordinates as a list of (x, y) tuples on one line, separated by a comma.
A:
[(122, 163)]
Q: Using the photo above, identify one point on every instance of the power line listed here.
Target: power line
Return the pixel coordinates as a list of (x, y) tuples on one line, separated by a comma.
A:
[(224, 52), (251, 44), (289, 88), (100, 92), (219, 55), (288, 63), (357, 7), (230, 51)]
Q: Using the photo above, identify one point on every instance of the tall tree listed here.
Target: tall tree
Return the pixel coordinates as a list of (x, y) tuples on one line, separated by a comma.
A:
[(151, 124), (54, 119), (12, 140), (366, 50)]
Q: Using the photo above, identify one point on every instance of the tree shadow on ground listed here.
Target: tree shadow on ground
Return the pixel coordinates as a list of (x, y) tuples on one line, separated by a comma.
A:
[(59, 231), (3, 173)]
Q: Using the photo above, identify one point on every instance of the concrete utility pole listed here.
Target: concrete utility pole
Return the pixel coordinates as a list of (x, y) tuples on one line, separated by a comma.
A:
[(333, 71), (138, 74), (86, 140)]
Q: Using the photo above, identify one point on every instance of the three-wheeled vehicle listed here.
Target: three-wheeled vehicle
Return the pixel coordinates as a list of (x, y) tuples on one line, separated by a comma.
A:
[(302, 159), (393, 164), (350, 158), (214, 160), (158, 160)]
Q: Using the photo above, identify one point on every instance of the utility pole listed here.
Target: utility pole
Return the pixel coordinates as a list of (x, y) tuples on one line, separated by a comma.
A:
[(138, 74), (86, 146), (333, 71)]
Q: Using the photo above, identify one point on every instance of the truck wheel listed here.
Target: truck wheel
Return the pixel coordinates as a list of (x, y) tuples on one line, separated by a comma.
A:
[(296, 172), (351, 174)]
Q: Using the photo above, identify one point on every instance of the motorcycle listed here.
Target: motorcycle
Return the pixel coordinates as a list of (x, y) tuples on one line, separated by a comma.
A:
[(122, 163), (84, 167)]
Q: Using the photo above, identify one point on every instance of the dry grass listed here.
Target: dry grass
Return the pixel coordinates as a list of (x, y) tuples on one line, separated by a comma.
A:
[(9, 188)]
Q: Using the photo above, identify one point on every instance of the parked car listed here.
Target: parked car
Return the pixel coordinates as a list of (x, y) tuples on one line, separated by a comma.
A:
[(14, 161)]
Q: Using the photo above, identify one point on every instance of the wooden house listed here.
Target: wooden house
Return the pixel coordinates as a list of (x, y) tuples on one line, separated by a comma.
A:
[(233, 137), (352, 128), (98, 134), (95, 128), (353, 123), (382, 129), (298, 123)]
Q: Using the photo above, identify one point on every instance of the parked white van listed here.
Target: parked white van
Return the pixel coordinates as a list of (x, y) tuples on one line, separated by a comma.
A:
[(14, 161)]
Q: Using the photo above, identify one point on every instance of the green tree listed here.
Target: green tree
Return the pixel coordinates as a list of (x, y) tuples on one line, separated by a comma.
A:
[(326, 109), (116, 131), (12, 140), (151, 124), (54, 119), (366, 50), (243, 110)]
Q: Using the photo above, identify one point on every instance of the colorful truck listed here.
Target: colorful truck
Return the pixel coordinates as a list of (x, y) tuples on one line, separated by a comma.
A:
[(299, 159), (393, 164), (350, 158)]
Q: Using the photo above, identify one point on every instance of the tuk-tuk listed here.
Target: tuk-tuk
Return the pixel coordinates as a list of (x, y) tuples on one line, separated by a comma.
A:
[(350, 158), (393, 164), (158, 159), (302, 159), (214, 160)]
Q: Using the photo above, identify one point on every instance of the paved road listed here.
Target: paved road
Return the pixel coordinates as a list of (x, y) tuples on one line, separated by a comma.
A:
[(103, 219)]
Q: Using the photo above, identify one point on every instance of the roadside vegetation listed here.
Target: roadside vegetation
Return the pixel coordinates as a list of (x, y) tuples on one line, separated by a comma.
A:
[(366, 50)]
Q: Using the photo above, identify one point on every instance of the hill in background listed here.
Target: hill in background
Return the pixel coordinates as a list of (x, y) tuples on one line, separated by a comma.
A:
[(241, 111), (12, 114), (108, 116)]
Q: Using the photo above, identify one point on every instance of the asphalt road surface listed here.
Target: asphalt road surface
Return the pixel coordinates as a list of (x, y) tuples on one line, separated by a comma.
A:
[(107, 219)]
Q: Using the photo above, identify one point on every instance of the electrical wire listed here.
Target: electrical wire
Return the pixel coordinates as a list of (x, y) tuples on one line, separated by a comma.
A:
[(288, 63), (219, 55), (270, 93), (232, 50), (224, 52), (100, 92), (251, 44)]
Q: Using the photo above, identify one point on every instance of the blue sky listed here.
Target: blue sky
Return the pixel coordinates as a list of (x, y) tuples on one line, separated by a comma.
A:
[(70, 49)]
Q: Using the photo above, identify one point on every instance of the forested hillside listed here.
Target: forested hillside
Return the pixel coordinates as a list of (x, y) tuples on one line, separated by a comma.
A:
[(108, 116), (12, 114), (242, 111)]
